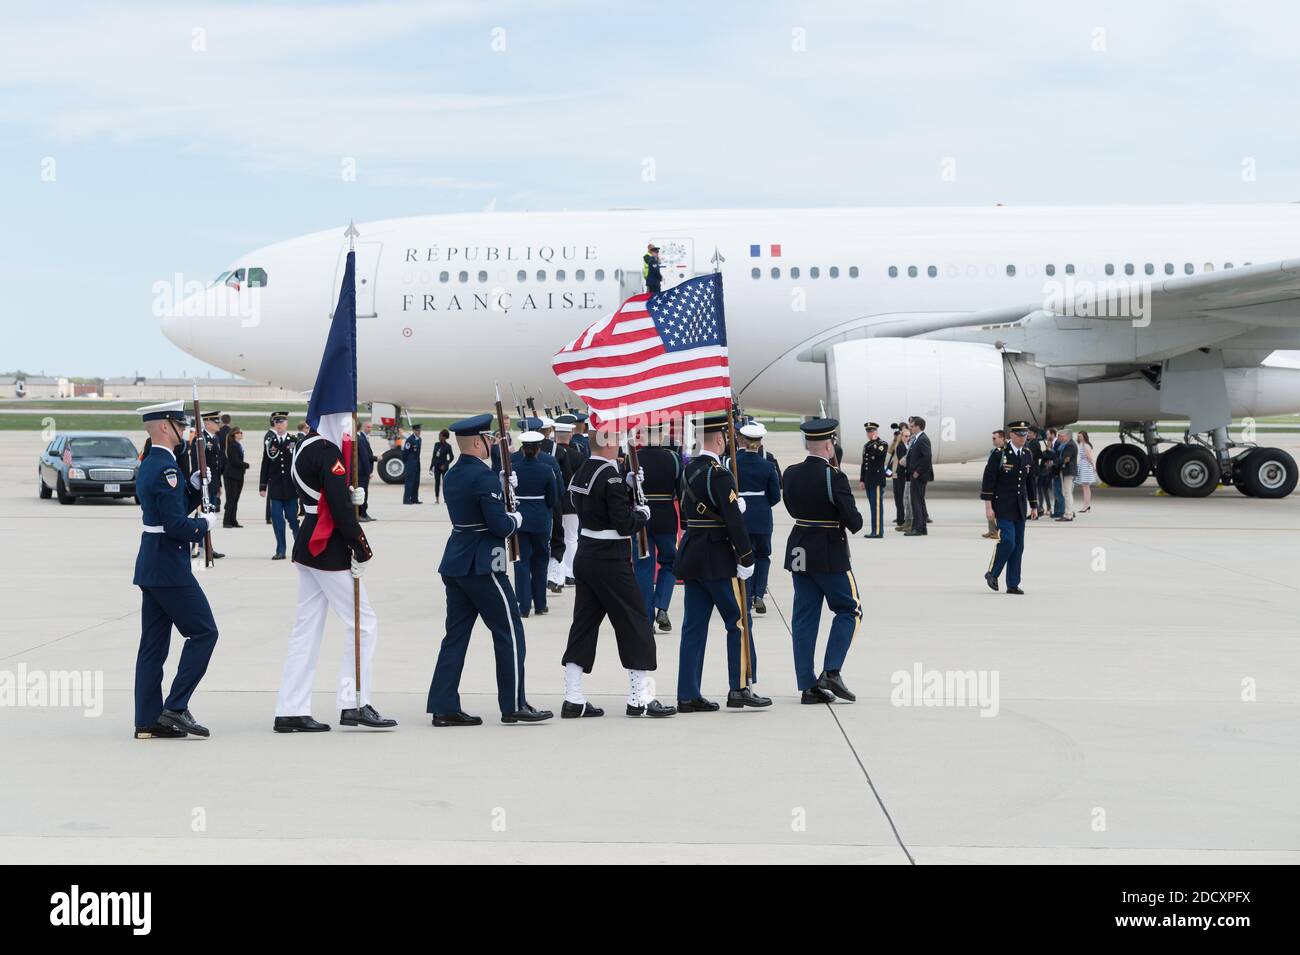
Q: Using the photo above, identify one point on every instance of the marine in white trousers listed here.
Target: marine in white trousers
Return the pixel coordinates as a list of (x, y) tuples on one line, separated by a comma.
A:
[(320, 591)]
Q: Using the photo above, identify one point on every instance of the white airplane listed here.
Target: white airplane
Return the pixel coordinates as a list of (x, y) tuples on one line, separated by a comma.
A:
[(968, 317)]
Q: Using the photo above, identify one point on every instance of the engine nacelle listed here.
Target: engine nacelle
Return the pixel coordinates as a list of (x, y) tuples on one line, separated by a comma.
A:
[(958, 387)]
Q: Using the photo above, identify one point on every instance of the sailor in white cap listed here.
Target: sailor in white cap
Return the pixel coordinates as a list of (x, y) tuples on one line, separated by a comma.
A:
[(760, 487), (170, 594)]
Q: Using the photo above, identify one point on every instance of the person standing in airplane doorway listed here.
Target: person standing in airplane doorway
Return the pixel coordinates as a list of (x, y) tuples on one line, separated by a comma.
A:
[(650, 271)]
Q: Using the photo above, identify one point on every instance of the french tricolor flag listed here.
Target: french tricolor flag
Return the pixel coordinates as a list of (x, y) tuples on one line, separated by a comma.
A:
[(334, 397)]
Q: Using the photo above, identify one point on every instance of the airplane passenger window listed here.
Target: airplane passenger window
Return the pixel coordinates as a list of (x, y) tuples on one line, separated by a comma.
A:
[(814, 272), (1227, 265), (257, 278), (893, 271), (1069, 270), (579, 276), (776, 273), (794, 271), (1128, 268), (463, 276), (1149, 269), (853, 271), (559, 277), (754, 273), (600, 275), (444, 277), (1050, 269), (911, 271), (1011, 270), (1169, 268), (1110, 269), (1209, 267), (521, 276), (482, 276), (932, 271), (835, 271), (1188, 268), (541, 275)]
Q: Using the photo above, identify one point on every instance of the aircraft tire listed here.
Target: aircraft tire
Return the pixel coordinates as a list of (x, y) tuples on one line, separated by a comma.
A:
[(1188, 470), (1126, 466), (391, 467), (1268, 473)]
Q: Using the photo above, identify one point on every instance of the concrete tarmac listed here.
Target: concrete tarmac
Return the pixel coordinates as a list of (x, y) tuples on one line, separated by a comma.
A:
[(1141, 704)]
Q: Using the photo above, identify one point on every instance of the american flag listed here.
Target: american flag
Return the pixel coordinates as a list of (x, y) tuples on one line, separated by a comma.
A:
[(657, 355)]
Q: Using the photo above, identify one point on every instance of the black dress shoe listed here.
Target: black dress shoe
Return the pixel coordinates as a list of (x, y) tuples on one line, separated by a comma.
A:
[(217, 556), (299, 724), (184, 721), (542, 610), (526, 714), (831, 680), (817, 694), (365, 519), (759, 606), (697, 706), (277, 557), (1014, 590), (746, 697), (662, 622), (158, 731), (569, 581), (525, 613), (456, 719), (366, 716), (991, 581), (555, 588), (654, 708), (915, 533), (576, 711)]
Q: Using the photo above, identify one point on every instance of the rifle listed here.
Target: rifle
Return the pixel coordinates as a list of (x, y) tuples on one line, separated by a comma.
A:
[(203, 475), (642, 537), (519, 407), (512, 542), (746, 638)]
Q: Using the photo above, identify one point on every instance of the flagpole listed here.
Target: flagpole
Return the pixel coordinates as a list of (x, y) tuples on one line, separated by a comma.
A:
[(356, 508)]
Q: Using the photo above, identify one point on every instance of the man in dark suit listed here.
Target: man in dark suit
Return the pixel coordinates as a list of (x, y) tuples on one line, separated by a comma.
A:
[(365, 468), (920, 472)]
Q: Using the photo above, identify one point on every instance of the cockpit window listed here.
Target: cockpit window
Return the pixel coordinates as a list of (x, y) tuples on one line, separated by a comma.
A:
[(235, 279), (257, 278), (220, 278)]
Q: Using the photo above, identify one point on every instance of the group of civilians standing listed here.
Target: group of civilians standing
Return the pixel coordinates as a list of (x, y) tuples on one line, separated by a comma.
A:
[(1062, 460)]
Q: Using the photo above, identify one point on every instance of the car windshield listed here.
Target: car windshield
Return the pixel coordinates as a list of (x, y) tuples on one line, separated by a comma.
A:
[(101, 447)]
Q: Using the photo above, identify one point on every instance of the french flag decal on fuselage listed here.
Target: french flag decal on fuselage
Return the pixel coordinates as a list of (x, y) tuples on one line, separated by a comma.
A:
[(756, 251)]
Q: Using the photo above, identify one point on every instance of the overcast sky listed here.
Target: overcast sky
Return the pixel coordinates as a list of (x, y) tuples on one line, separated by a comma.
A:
[(140, 140)]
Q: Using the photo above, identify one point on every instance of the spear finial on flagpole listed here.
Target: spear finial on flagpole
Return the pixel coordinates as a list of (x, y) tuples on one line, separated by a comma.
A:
[(352, 234)]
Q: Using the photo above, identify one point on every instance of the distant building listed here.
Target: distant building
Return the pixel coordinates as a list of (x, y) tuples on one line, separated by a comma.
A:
[(9, 387), (43, 386), (210, 389)]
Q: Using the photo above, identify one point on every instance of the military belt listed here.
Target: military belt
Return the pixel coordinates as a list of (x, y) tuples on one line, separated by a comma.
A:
[(468, 528), (153, 528), (752, 493), (800, 522), (704, 524), (660, 497), (530, 497), (606, 535)]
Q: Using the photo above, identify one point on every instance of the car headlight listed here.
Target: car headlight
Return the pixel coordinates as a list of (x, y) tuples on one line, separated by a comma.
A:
[(76, 474)]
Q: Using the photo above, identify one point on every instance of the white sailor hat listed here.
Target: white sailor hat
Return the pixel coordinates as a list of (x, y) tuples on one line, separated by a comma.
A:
[(163, 410), (754, 430), (532, 437), (563, 426), (547, 423)]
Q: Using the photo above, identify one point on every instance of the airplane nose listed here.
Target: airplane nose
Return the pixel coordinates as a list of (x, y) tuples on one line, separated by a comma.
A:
[(178, 328)]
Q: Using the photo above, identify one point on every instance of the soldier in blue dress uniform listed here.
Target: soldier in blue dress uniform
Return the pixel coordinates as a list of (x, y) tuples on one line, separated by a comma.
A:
[(171, 597), (875, 471), (411, 466), (473, 571), (714, 557), (818, 497), (1010, 494), (760, 489), (580, 438), (662, 486), (537, 489)]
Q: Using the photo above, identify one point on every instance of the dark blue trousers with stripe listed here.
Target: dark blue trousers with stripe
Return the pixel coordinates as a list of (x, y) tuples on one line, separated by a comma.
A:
[(840, 593), (756, 586), (491, 597), (702, 597), (1011, 547), (876, 502), (657, 588), (530, 570), (186, 608)]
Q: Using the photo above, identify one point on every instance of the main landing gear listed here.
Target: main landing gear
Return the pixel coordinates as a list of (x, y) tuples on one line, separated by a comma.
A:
[(1196, 465)]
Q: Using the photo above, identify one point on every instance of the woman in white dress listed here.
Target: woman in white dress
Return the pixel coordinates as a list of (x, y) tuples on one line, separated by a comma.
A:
[(1087, 470)]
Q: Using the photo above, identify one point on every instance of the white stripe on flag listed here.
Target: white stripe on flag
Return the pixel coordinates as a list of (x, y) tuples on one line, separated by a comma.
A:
[(635, 368)]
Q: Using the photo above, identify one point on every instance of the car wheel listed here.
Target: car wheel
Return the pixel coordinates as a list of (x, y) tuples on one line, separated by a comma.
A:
[(64, 496), (41, 489)]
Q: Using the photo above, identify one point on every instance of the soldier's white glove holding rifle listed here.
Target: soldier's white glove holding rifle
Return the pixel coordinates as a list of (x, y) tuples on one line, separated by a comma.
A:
[(358, 495), (358, 568), (643, 510), (740, 503), (211, 518), (517, 517), (197, 479), (744, 573)]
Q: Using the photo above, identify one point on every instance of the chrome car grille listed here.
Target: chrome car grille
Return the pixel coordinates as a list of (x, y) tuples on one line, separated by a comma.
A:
[(111, 474)]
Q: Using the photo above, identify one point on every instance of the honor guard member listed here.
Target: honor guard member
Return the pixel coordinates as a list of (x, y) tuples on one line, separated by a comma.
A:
[(569, 457), (606, 583), (188, 457), (473, 571), (760, 489), (266, 438), (650, 270), (214, 456), (714, 556), (580, 433), (873, 475), (818, 497), (662, 486), (171, 597), (537, 491), (411, 466), (1010, 495), (276, 481), (325, 573)]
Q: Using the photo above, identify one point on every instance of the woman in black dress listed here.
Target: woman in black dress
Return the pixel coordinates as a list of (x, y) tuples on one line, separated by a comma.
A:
[(234, 476), (442, 457)]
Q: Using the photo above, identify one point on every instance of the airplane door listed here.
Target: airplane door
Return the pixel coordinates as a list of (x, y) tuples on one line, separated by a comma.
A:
[(367, 277), (676, 258)]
